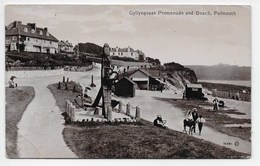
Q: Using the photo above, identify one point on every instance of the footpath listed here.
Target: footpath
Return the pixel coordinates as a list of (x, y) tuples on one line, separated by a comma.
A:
[(40, 129)]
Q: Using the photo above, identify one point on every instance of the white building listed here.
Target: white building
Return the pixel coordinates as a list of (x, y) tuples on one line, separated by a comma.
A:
[(127, 52), (65, 46), (20, 37)]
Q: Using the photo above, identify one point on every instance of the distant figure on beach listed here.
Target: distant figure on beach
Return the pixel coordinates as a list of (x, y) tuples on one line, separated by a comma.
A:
[(215, 107), (237, 96), (200, 121), (161, 88), (159, 122), (195, 116)]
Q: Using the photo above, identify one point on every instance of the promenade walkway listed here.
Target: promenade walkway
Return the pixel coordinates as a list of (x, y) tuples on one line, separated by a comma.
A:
[(40, 129)]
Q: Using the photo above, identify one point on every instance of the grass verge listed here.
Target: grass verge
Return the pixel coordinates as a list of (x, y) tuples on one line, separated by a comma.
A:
[(17, 99), (215, 120), (135, 140), (142, 141), (61, 95)]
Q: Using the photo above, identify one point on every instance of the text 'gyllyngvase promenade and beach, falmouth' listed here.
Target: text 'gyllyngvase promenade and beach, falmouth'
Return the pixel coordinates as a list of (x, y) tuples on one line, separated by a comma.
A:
[(182, 13)]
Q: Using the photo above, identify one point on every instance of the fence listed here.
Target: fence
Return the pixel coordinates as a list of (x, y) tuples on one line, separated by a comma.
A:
[(130, 111), (29, 68), (232, 95)]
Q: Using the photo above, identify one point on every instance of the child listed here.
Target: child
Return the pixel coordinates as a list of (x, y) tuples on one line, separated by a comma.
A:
[(189, 115), (200, 121)]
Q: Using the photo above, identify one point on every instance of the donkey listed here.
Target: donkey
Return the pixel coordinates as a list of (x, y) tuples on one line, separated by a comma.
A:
[(190, 123)]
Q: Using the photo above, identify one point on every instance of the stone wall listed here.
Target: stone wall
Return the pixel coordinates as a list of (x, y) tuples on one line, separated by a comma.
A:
[(33, 74)]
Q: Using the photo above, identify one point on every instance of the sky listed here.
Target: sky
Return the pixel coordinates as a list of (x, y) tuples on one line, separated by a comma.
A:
[(185, 39)]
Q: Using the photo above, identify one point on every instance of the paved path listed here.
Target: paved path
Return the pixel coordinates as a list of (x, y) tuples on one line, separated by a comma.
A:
[(150, 108), (40, 129), (41, 126)]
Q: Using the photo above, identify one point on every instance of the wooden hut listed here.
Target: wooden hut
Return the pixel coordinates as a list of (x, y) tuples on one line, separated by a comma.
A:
[(143, 80), (194, 91), (125, 87)]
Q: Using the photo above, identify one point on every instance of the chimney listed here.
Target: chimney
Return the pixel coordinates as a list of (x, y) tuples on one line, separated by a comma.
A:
[(32, 25), (128, 49), (16, 24)]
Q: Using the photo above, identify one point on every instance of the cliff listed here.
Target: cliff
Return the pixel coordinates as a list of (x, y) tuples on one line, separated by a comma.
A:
[(179, 78)]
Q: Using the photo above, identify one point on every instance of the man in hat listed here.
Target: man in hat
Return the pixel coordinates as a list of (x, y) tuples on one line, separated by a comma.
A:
[(194, 117)]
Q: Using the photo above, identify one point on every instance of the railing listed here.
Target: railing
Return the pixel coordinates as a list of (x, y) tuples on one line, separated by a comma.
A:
[(132, 112), (232, 95), (23, 68)]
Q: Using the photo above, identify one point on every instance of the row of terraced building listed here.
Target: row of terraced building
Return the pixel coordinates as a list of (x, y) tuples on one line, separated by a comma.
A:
[(30, 38)]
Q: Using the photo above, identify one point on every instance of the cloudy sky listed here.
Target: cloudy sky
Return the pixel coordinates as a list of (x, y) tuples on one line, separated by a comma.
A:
[(186, 39)]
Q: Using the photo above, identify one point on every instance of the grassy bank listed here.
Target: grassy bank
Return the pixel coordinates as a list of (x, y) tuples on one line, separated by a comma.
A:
[(136, 140), (215, 120), (139, 141), (61, 95), (17, 99)]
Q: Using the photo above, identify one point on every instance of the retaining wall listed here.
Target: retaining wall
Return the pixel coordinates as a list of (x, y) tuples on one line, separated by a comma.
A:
[(33, 73)]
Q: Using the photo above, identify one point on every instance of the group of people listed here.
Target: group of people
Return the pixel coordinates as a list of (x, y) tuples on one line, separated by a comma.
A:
[(190, 116), (198, 119)]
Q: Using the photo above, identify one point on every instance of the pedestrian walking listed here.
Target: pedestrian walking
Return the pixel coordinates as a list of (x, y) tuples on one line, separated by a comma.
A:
[(200, 121), (195, 116), (215, 107)]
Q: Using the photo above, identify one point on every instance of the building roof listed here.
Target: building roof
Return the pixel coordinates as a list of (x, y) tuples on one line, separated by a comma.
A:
[(17, 28), (194, 85), (128, 80), (125, 50), (65, 43), (129, 73)]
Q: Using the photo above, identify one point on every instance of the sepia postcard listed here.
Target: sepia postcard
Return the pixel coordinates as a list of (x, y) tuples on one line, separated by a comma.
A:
[(128, 81)]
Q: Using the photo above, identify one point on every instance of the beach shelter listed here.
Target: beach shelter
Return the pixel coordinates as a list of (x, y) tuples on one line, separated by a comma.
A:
[(125, 87), (193, 91)]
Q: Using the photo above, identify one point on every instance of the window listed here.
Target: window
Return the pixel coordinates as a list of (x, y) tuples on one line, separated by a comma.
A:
[(28, 39), (36, 40), (50, 42), (33, 31), (47, 33), (195, 89), (25, 29), (14, 38), (131, 53), (40, 32)]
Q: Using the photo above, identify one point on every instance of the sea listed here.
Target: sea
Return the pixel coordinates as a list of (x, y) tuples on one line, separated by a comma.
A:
[(246, 83)]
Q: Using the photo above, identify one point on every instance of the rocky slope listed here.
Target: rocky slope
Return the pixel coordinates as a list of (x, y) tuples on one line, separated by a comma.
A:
[(178, 75)]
